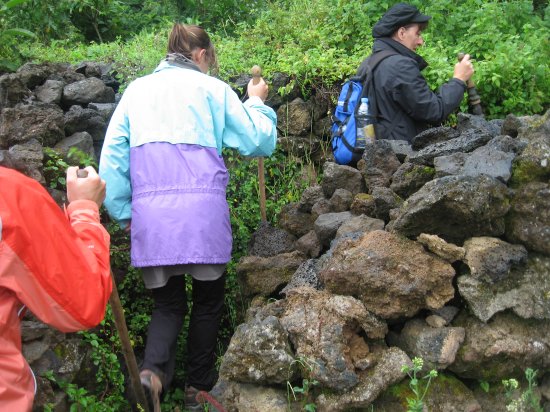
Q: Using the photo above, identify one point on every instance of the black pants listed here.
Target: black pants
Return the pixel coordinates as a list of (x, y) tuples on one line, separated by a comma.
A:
[(166, 323)]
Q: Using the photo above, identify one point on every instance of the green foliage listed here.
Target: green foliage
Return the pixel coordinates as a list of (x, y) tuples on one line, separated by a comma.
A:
[(107, 20), (419, 388), (283, 185), (321, 43), (105, 346), (81, 400), (55, 169), (485, 386), (527, 401), (307, 385), (55, 165), (510, 46), (9, 55)]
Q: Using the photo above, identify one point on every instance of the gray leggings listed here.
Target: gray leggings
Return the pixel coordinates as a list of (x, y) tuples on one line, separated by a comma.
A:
[(166, 322)]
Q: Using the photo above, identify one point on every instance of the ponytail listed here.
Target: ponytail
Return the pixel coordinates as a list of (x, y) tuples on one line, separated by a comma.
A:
[(184, 38)]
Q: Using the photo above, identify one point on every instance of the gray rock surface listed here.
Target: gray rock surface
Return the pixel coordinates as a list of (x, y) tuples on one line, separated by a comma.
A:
[(490, 259), (259, 352), (466, 142), (436, 346), (525, 290), (341, 177), (455, 208), (264, 275), (327, 225), (502, 348), (89, 90), (528, 222), (378, 164), (269, 241), (43, 122), (385, 373)]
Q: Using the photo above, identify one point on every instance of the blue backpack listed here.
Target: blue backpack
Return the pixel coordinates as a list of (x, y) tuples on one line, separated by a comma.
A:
[(343, 130)]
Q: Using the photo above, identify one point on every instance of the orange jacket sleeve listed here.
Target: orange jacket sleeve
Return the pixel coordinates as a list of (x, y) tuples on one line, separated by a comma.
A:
[(58, 267)]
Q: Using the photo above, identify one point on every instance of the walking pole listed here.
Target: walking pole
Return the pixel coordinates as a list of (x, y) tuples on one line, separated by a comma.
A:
[(122, 329), (256, 72), (474, 101), (127, 350)]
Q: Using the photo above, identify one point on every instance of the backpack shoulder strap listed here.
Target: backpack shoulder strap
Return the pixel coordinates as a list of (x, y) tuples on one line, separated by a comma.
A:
[(369, 64)]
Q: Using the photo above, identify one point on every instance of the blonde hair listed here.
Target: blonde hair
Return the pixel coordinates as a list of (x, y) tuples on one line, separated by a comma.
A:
[(184, 38)]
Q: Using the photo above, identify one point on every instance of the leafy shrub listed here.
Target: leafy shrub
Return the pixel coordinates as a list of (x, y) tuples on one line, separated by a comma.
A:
[(9, 35)]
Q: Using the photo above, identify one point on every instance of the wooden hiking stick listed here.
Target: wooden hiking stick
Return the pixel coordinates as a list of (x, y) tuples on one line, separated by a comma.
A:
[(122, 329), (474, 101), (127, 350), (256, 72)]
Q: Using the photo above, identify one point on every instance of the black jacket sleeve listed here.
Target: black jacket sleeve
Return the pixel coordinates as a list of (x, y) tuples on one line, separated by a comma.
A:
[(411, 92)]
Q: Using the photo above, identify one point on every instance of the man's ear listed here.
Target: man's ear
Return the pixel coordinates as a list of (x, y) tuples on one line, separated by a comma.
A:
[(401, 32)]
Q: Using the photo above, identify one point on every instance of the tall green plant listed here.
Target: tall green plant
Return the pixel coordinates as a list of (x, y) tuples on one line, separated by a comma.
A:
[(9, 55), (419, 388)]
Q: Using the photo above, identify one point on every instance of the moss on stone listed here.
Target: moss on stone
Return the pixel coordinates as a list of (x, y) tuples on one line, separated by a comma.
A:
[(528, 170), (364, 197)]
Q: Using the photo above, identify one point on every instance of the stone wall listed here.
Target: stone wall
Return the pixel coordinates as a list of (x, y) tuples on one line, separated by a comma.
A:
[(438, 250)]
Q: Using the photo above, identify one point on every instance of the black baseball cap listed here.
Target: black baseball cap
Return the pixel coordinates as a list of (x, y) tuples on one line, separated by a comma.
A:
[(398, 16)]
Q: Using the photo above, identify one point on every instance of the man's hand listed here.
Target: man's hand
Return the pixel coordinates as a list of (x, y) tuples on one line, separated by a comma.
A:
[(259, 89), (91, 187), (464, 69)]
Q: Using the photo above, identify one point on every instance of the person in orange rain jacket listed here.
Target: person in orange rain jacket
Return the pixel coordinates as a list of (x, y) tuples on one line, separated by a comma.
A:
[(55, 265)]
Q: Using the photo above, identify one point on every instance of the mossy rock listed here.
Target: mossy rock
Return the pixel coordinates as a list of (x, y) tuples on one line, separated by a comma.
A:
[(525, 170), (445, 393)]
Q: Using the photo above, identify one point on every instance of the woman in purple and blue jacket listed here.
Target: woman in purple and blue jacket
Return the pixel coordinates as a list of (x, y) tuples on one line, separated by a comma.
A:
[(166, 181)]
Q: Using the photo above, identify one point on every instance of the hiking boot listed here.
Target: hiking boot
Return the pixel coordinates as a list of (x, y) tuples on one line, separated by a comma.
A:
[(192, 403), (152, 387)]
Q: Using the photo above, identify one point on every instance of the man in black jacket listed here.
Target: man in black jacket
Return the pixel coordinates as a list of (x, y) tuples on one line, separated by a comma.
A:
[(406, 106)]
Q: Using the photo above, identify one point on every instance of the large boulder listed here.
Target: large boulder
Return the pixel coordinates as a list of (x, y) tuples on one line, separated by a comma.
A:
[(409, 178), (490, 259), (502, 348), (436, 346), (43, 122), (88, 90), (29, 154), (12, 90), (327, 333), (393, 276), (259, 352), (270, 241), (265, 275), (295, 221), (524, 290), (295, 117), (328, 224), (466, 142), (455, 208)]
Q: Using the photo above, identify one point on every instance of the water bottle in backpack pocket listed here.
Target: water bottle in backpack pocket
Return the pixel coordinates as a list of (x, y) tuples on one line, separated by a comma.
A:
[(364, 124)]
